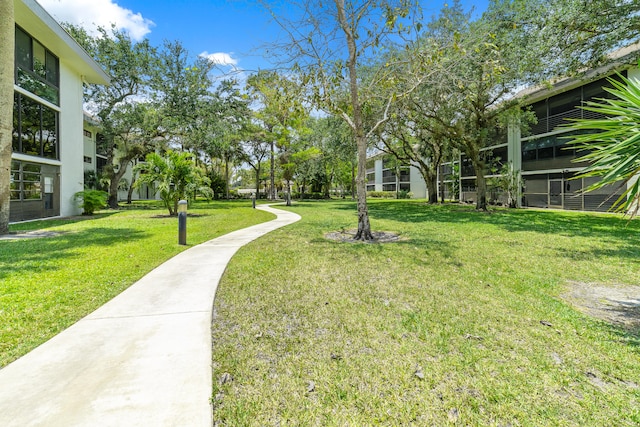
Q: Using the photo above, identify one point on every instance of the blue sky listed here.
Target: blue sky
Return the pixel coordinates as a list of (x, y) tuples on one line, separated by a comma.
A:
[(229, 31)]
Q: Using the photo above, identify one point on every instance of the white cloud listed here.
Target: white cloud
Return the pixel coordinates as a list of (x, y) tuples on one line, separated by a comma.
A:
[(220, 58), (90, 14)]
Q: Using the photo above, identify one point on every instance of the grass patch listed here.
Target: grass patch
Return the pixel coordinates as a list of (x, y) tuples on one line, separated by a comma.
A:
[(47, 284), (461, 322)]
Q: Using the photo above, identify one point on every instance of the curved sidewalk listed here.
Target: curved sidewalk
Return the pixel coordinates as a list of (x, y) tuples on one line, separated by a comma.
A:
[(142, 359)]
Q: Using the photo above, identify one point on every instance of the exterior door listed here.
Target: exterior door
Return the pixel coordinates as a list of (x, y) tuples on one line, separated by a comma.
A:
[(49, 196), (555, 193)]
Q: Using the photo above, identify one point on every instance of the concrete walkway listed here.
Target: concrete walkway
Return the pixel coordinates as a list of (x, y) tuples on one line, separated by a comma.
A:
[(142, 359)]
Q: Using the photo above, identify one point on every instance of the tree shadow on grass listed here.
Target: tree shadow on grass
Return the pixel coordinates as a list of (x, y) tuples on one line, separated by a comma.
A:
[(55, 222), (50, 253), (622, 234)]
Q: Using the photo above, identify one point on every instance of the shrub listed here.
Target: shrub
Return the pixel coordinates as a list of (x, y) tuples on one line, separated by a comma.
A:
[(91, 200), (381, 194)]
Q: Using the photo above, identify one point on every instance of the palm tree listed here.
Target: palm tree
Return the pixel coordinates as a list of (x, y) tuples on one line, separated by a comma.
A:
[(176, 176), (613, 142)]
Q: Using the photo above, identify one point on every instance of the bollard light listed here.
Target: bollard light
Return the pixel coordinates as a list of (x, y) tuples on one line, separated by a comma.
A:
[(253, 200), (182, 222)]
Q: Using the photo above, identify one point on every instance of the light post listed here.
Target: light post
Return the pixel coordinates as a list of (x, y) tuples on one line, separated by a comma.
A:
[(182, 222), (253, 200)]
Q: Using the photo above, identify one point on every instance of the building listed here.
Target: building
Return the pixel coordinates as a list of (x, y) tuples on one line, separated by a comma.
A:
[(47, 166), (95, 159), (542, 157), (382, 175)]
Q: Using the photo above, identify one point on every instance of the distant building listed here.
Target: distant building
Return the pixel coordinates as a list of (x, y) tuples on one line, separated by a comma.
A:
[(382, 175), (542, 157), (95, 160), (47, 161)]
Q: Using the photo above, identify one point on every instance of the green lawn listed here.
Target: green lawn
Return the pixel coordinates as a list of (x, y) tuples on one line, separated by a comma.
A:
[(47, 284), (460, 323)]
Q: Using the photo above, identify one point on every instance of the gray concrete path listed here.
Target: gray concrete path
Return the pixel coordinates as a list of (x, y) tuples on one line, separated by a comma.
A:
[(142, 359)]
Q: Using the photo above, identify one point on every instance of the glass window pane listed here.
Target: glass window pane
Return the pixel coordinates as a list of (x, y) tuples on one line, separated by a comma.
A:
[(30, 167), (33, 177), (52, 71), (31, 190), (23, 49), (49, 133), (30, 129), (39, 59)]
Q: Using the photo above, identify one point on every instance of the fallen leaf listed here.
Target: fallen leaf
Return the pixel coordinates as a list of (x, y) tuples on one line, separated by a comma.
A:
[(473, 337), (311, 387), (545, 323), (225, 378), (418, 373), (453, 415)]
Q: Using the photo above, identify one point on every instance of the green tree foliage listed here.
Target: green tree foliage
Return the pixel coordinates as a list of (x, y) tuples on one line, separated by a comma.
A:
[(176, 177), (130, 65), (179, 89), (223, 115), (327, 48), (279, 110)]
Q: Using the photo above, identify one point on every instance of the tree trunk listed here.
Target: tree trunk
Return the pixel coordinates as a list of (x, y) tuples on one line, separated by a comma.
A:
[(288, 193), (130, 192), (353, 181), (115, 181), (481, 187), (432, 189), (226, 175), (272, 175), (257, 183), (7, 35), (364, 227)]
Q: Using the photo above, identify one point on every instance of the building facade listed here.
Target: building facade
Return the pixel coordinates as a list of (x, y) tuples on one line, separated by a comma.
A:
[(542, 157), (384, 175), (47, 161)]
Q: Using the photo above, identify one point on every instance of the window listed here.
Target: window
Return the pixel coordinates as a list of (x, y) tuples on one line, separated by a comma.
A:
[(25, 181), (35, 128), (87, 133), (37, 69), (87, 159)]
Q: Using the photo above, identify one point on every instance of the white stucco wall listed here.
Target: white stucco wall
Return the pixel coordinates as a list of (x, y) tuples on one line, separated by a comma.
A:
[(378, 169), (418, 186), (71, 139)]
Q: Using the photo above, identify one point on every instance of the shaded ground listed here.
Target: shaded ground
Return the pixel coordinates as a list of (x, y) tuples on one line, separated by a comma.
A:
[(619, 305), (28, 235), (347, 236)]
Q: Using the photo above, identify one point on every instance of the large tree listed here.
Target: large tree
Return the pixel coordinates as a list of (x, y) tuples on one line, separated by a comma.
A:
[(7, 35), (327, 45), (479, 66), (279, 109), (179, 86), (222, 116), (130, 65)]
